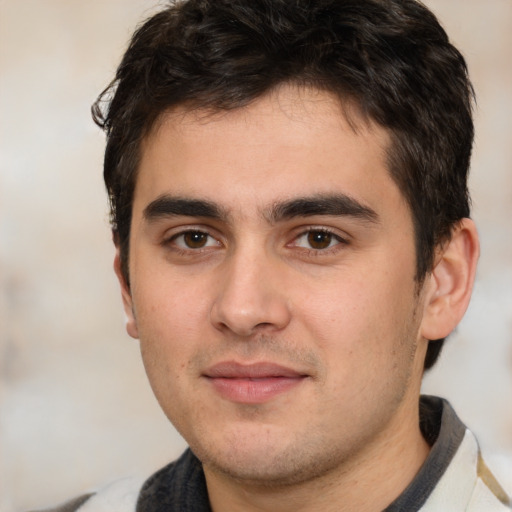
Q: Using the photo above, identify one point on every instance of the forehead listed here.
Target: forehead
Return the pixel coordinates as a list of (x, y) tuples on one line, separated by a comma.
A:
[(276, 147), (305, 109)]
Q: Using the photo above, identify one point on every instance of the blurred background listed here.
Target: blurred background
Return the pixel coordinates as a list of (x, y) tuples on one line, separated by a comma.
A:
[(75, 408)]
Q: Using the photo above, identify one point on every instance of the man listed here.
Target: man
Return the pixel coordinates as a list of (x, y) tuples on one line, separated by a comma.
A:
[(287, 182)]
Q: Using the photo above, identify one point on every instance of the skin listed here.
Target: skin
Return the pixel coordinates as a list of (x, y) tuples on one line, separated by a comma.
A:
[(228, 266)]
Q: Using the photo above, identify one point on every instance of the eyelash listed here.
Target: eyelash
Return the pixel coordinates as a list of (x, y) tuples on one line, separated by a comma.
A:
[(309, 251), (330, 249), (171, 241)]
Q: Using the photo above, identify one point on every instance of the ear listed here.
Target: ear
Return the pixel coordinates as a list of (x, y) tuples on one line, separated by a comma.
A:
[(450, 283), (131, 322)]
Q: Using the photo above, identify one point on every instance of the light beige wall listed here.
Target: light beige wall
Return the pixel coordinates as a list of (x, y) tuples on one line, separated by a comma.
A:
[(75, 408)]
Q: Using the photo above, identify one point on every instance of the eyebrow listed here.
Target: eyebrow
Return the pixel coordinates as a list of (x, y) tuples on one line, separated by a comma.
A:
[(169, 206), (332, 205)]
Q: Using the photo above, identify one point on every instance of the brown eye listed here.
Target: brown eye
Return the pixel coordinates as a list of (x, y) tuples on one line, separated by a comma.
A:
[(319, 239), (195, 239)]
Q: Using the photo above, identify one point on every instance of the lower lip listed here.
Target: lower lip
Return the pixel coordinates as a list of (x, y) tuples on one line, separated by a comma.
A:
[(253, 391)]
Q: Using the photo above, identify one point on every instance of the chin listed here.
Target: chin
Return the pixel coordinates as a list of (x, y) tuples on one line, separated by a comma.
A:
[(270, 464)]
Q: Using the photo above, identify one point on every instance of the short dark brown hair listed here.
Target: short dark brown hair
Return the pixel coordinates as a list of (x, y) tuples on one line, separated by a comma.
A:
[(391, 58)]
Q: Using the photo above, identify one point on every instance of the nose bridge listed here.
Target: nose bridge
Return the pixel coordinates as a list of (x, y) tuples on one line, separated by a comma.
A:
[(251, 295)]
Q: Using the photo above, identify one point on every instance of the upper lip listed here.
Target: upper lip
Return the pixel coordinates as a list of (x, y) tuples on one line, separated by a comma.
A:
[(235, 370)]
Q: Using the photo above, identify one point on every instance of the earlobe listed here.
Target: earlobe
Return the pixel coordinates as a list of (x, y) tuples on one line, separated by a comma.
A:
[(131, 322), (451, 282)]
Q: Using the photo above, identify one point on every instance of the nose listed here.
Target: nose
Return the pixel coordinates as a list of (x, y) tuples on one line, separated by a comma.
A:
[(251, 296)]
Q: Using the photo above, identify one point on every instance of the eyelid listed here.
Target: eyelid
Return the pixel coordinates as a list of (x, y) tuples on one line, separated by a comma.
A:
[(184, 246), (179, 231), (342, 239), (169, 237)]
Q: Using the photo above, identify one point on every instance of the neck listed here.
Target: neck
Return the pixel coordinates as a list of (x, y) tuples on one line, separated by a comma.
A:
[(368, 482)]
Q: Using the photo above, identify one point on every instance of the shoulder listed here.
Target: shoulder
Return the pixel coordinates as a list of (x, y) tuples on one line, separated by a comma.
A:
[(468, 484), (488, 494), (178, 487), (119, 496)]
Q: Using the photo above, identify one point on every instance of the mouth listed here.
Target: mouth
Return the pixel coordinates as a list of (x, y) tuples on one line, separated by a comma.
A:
[(252, 383)]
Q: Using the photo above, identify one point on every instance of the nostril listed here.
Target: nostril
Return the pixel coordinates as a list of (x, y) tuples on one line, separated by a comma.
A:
[(262, 325)]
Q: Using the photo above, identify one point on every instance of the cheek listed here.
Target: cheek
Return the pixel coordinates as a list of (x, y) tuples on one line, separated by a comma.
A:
[(359, 320), (168, 307), (168, 338), (170, 318)]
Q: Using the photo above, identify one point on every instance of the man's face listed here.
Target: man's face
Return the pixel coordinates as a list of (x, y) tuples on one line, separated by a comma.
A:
[(272, 269)]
